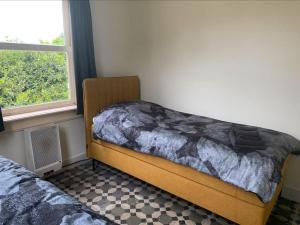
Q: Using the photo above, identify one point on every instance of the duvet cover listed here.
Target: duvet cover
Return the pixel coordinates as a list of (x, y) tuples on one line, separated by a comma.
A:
[(246, 156), (27, 199)]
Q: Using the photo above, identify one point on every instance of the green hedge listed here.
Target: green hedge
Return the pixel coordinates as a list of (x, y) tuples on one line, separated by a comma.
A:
[(28, 78)]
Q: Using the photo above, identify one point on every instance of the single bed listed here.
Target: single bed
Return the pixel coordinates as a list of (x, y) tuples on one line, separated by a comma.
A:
[(209, 192), (27, 199)]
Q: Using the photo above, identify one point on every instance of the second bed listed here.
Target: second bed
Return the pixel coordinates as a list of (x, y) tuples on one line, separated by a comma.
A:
[(211, 163)]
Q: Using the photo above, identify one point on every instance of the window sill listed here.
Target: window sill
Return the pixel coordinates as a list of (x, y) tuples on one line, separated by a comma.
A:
[(32, 119)]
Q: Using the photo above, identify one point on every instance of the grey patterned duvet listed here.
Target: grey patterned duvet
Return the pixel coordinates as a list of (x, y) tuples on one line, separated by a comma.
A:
[(246, 156), (26, 199)]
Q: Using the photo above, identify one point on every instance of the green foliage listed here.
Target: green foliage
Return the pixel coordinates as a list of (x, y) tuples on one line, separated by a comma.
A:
[(59, 40), (28, 77)]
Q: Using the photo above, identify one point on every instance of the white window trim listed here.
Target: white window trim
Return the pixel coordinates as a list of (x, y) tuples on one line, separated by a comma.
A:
[(31, 47), (49, 48), (38, 118)]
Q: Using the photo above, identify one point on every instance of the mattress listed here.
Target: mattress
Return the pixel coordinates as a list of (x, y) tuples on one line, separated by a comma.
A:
[(27, 199), (246, 156)]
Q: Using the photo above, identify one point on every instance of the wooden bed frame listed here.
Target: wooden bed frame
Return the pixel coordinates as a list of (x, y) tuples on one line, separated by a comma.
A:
[(206, 191)]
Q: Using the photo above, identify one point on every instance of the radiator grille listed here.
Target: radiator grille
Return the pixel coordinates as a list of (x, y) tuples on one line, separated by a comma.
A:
[(45, 146)]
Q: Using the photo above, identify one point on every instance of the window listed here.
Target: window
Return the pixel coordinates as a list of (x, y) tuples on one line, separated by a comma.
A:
[(36, 67)]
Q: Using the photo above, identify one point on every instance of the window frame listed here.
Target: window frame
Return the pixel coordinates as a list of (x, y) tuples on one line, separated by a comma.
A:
[(67, 48)]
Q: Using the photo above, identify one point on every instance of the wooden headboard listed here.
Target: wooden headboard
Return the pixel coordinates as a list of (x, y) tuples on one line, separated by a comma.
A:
[(104, 91)]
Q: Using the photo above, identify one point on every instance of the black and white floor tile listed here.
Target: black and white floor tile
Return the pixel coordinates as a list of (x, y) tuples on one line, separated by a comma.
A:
[(127, 200)]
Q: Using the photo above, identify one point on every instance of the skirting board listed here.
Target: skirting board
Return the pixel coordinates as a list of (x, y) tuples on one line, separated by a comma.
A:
[(71, 163), (291, 193), (75, 158)]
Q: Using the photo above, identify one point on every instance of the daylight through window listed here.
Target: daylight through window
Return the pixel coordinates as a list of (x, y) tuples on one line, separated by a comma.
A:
[(35, 56)]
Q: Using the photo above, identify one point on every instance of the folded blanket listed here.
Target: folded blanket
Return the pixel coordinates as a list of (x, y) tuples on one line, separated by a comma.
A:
[(246, 138), (248, 157)]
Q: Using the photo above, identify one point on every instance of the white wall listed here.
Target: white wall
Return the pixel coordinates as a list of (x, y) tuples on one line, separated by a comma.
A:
[(232, 60), (72, 142)]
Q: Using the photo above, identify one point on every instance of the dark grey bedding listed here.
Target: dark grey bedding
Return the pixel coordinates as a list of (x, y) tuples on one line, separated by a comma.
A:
[(246, 156), (26, 199)]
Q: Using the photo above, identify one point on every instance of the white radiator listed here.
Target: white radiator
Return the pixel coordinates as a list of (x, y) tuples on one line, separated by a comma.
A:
[(43, 150)]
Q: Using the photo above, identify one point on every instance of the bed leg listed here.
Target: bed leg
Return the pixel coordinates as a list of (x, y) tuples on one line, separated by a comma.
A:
[(280, 195), (94, 164)]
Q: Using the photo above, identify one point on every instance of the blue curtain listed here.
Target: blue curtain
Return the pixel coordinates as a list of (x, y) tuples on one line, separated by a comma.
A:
[(1, 121), (83, 46)]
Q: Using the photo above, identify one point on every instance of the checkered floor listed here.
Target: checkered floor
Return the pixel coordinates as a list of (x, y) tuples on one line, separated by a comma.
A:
[(127, 200)]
